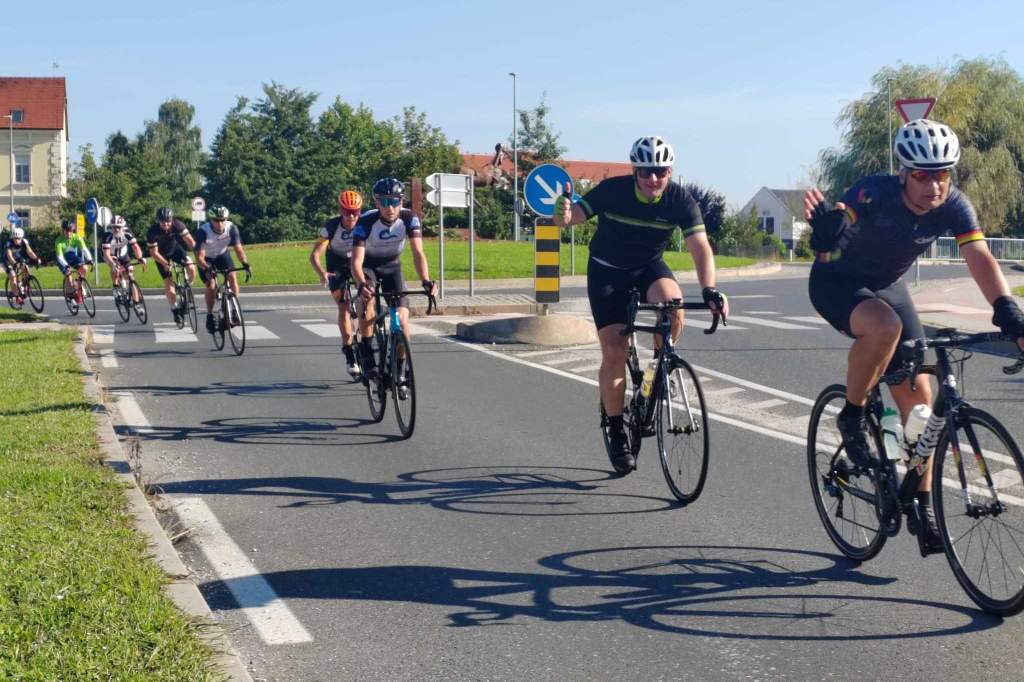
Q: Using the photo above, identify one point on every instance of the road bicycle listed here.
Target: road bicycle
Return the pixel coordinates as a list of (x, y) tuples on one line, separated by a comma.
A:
[(183, 295), (977, 477), (668, 403), (21, 286), (393, 358), (78, 294), (228, 318), (127, 293)]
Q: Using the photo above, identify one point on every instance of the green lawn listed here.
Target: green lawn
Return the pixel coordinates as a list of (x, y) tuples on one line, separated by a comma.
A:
[(79, 599), (9, 315), (1019, 291), (289, 263)]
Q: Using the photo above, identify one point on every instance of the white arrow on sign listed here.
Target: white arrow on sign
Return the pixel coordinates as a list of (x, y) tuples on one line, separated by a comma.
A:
[(552, 193)]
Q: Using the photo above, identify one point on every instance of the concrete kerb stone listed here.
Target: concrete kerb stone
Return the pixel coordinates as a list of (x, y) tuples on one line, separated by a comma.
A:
[(183, 592), (539, 330)]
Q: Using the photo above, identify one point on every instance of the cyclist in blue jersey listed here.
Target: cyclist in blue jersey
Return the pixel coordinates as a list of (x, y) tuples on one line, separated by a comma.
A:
[(866, 243), (638, 214)]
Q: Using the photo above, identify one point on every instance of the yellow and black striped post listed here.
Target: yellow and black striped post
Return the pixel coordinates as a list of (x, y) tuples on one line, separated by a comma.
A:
[(547, 282)]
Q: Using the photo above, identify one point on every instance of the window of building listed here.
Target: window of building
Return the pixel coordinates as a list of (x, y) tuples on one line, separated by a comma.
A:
[(768, 224), (17, 115), (24, 218), (22, 167)]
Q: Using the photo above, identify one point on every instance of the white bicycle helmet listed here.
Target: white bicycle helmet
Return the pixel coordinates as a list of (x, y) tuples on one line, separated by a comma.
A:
[(926, 145), (118, 223), (651, 152), (17, 233)]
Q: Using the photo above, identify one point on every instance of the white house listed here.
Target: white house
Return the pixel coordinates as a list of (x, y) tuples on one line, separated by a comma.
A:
[(781, 212)]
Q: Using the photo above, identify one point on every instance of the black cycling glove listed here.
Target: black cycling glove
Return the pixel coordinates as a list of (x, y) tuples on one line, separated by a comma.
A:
[(713, 298), (826, 225), (1006, 315)]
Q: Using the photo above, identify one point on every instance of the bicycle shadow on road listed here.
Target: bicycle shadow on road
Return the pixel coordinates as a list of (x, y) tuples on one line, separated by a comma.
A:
[(751, 593), (270, 389), (504, 491), (310, 431)]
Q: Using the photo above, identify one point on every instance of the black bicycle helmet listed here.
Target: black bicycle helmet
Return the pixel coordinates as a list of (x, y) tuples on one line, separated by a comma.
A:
[(164, 213), (68, 224), (388, 186)]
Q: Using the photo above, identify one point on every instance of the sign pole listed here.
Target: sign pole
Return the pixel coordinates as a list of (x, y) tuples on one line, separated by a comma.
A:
[(95, 258), (572, 253), (472, 235), (440, 235)]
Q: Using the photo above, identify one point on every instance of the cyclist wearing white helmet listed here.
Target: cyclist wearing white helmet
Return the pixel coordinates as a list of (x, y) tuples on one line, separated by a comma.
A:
[(119, 245), (17, 250), (866, 243), (637, 216)]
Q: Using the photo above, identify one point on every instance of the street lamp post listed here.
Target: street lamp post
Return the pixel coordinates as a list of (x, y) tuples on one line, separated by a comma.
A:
[(888, 119), (515, 163), (10, 133)]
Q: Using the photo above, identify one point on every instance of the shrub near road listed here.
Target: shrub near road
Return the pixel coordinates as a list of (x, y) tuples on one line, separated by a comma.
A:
[(78, 599)]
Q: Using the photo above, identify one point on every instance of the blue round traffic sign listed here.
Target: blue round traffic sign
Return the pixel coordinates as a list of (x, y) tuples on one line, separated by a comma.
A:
[(12, 218), (543, 186), (92, 209)]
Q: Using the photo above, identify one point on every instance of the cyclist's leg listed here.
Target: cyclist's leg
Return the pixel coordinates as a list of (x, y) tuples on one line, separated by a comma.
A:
[(660, 286), (612, 375), (209, 290), (165, 274), (608, 293)]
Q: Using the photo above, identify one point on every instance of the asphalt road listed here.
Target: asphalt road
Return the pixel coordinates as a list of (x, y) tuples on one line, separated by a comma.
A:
[(495, 544)]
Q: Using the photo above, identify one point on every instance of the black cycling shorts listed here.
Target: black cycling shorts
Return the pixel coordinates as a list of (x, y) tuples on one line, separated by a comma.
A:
[(342, 267), (179, 256), (608, 288), (390, 276), (835, 296), (221, 262)]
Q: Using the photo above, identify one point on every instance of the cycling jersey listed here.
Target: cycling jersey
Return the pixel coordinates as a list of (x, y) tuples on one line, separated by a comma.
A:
[(18, 252), (118, 245), (884, 237), (71, 250), (384, 243), (632, 230), (214, 244), (339, 240), (166, 242)]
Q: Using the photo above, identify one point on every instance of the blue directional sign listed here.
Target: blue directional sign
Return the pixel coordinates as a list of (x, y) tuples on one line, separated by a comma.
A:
[(542, 187), (12, 218), (92, 209)]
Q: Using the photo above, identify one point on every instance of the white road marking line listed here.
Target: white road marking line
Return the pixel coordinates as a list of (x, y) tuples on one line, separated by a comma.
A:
[(270, 616), (103, 333), (950, 308), (750, 384), (720, 392), (766, 404), (767, 323), (761, 312), (691, 321), (537, 353), (172, 334), (752, 296), (256, 332), (324, 330), (131, 413), (564, 361), (809, 319), (107, 358), (312, 319)]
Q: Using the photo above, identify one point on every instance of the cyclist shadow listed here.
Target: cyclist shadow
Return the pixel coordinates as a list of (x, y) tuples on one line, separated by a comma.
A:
[(738, 592), (309, 431), (273, 389), (502, 491)]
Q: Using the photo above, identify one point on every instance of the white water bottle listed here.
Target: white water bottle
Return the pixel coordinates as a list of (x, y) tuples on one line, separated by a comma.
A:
[(892, 433), (648, 382), (916, 421)]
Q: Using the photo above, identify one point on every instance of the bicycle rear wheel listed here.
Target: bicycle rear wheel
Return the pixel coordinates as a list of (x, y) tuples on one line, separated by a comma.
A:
[(681, 423), (181, 303), (376, 388), (11, 289), (35, 294), (88, 302), (235, 322), (69, 297), (138, 302), (190, 313), (978, 493), (846, 500), (121, 303), (403, 384)]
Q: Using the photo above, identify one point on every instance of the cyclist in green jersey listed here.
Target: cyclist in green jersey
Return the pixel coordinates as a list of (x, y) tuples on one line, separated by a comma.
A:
[(71, 252)]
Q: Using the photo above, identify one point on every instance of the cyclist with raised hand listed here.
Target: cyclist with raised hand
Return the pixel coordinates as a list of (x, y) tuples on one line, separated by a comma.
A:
[(17, 250), (378, 240), (865, 244), (212, 241), (169, 240), (119, 244), (335, 238), (71, 252), (637, 216)]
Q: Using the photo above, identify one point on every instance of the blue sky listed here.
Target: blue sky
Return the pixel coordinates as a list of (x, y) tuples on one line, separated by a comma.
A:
[(747, 92)]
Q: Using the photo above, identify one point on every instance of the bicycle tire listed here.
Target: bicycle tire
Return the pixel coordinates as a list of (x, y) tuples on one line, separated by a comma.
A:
[(180, 304), (35, 294), (88, 300), (10, 285), (235, 331), (851, 521), (138, 302), (121, 303), (190, 311), (69, 298), (681, 425), (631, 417), (402, 377), (988, 545), (376, 388), (220, 324)]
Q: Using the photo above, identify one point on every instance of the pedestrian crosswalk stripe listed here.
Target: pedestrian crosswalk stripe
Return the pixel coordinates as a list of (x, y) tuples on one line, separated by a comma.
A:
[(720, 392), (103, 333), (767, 323), (171, 334), (806, 318), (765, 404), (705, 324), (325, 330), (257, 332)]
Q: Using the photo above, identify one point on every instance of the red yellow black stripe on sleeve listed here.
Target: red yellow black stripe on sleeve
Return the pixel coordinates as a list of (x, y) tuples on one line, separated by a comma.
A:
[(968, 237)]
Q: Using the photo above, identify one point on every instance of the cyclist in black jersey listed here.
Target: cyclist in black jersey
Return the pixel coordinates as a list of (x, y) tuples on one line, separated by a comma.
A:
[(335, 238), (169, 240), (117, 241), (866, 243), (637, 216), (18, 250)]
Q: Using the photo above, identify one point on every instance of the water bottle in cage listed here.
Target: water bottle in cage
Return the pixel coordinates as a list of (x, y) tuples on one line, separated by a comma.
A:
[(930, 436)]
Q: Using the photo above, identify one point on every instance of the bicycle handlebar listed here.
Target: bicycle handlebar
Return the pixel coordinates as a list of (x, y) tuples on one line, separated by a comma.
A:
[(951, 338), (248, 272), (635, 306)]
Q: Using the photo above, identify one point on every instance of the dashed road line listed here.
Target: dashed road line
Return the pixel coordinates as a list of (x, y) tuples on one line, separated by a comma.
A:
[(722, 392), (775, 324), (766, 404), (107, 357), (131, 413)]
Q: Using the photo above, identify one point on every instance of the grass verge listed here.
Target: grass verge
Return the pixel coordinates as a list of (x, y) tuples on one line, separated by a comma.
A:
[(10, 315), (289, 263), (1019, 291), (79, 599)]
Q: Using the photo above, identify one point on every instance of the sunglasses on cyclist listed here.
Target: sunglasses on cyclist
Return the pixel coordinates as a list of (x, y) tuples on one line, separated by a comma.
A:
[(352, 214), (648, 172), (216, 220), (390, 201), (927, 176)]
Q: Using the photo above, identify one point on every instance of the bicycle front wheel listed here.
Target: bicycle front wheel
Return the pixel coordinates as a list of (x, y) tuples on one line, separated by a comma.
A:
[(376, 388), (88, 302), (978, 493), (681, 423), (138, 302), (403, 383), (190, 313), (11, 289), (70, 297), (35, 294), (846, 500), (220, 324), (121, 303), (235, 322)]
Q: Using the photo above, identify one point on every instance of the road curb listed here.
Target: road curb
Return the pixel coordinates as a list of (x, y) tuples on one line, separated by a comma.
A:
[(182, 591)]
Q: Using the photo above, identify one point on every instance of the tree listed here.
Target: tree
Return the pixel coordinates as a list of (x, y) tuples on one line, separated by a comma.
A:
[(537, 142), (711, 203), (982, 100), (180, 145)]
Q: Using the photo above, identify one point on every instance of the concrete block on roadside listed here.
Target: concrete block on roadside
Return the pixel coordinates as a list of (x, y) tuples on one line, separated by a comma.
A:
[(539, 330)]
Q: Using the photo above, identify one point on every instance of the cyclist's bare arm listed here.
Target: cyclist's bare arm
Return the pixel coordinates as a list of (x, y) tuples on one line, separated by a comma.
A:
[(315, 257), (158, 257), (240, 252), (986, 273), (419, 260)]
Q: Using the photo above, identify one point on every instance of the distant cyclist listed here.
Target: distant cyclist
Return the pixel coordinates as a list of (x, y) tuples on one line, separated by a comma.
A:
[(213, 238), (119, 245), (335, 238), (169, 240), (637, 215), (378, 240), (17, 250), (866, 243), (71, 252)]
